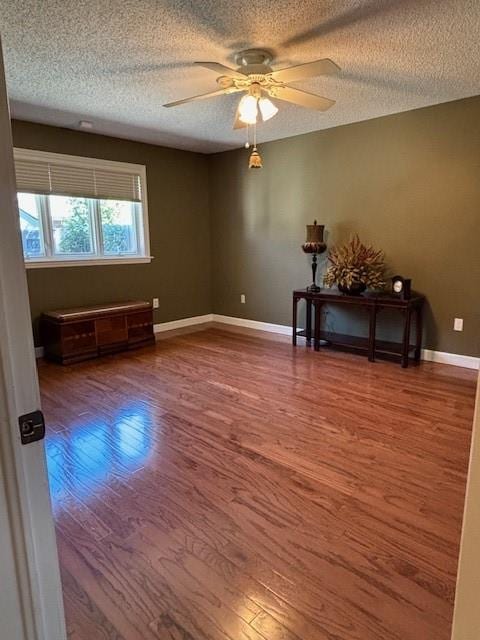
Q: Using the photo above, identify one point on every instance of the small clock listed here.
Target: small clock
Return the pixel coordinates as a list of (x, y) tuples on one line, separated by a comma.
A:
[(401, 287)]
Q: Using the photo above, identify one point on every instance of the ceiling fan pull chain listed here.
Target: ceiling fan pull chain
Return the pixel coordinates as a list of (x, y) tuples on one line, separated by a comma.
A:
[(247, 143)]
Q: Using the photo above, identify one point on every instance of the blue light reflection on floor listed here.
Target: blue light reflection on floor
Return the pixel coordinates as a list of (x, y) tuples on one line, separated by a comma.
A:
[(81, 459)]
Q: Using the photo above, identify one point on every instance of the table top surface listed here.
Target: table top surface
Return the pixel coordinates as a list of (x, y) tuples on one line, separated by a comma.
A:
[(368, 297)]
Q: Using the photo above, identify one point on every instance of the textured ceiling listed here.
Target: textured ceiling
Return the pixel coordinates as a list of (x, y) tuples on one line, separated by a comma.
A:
[(115, 62)]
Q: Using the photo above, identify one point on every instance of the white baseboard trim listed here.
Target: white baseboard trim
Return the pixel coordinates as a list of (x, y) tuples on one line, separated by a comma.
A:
[(253, 324), (455, 359), (183, 322)]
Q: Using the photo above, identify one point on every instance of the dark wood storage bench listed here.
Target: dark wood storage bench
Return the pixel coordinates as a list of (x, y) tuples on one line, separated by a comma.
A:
[(72, 335)]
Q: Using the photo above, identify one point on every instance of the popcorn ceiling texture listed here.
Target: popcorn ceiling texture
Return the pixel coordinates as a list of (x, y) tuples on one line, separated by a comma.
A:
[(116, 62)]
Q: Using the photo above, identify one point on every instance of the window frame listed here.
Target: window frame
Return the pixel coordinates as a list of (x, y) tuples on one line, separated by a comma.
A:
[(99, 258), (41, 223)]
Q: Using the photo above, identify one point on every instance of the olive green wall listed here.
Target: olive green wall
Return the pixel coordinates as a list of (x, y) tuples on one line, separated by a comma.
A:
[(179, 231), (408, 183)]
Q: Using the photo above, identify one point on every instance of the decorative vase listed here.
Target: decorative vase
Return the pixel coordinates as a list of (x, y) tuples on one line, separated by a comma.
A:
[(355, 289)]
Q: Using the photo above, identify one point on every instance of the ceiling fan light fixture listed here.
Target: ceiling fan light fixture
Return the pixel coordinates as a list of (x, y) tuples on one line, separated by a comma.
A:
[(267, 109), (248, 109)]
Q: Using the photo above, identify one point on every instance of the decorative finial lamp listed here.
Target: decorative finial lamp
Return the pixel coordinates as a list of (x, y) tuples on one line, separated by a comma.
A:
[(314, 245)]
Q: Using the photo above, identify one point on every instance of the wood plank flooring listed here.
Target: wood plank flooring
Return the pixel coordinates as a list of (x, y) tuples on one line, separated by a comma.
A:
[(226, 486)]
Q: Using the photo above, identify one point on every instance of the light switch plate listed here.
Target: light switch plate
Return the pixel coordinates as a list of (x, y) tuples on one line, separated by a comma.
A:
[(242, 298), (156, 303), (458, 324)]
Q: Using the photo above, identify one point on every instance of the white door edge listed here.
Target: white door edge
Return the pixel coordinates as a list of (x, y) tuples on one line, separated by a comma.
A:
[(26, 517)]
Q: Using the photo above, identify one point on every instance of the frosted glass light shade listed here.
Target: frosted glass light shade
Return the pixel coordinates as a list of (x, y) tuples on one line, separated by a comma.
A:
[(248, 109), (267, 108)]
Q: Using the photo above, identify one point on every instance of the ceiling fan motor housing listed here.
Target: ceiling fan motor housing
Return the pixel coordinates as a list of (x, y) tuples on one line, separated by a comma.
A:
[(254, 61)]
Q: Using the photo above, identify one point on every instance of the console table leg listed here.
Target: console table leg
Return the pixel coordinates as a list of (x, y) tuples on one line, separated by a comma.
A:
[(294, 322), (316, 338), (308, 321), (371, 335), (419, 331), (406, 338)]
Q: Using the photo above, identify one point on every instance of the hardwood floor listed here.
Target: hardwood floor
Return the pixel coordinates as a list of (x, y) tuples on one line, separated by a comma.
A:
[(225, 486)]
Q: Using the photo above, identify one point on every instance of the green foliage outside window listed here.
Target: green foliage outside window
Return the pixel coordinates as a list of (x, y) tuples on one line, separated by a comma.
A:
[(76, 232), (116, 237)]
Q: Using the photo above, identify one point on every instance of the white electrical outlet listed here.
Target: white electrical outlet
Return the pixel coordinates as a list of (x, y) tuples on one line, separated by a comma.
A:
[(156, 303), (458, 324), (242, 298)]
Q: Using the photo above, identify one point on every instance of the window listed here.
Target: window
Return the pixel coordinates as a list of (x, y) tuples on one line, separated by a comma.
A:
[(72, 226), (77, 211), (31, 225)]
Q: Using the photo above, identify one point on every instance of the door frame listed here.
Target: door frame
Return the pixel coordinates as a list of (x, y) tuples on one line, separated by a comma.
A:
[(466, 618), (31, 607)]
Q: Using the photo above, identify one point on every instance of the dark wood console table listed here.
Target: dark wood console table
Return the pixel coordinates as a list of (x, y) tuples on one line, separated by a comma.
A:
[(373, 303), (71, 335)]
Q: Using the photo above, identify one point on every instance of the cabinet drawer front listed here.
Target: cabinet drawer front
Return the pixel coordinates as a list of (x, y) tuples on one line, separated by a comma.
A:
[(77, 337), (140, 326), (111, 330)]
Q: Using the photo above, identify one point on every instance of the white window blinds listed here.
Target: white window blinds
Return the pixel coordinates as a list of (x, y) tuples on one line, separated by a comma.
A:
[(76, 177)]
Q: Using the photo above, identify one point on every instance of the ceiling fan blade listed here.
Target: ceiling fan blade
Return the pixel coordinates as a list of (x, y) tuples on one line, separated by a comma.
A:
[(221, 69), (202, 96), (303, 98), (308, 70)]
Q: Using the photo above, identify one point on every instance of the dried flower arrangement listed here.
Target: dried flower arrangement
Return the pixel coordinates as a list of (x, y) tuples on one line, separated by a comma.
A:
[(355, 267)]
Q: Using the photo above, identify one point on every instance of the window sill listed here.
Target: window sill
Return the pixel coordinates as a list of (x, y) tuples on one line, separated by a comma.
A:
[(86, 262)]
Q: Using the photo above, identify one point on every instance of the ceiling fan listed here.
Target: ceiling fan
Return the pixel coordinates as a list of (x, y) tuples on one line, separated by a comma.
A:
[(259, 82)]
